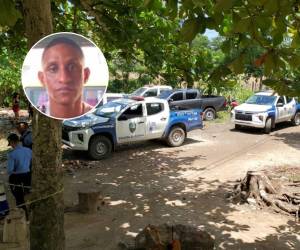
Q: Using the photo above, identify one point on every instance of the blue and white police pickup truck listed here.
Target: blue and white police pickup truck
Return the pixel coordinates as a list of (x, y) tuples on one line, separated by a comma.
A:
[(264, 110), (129, 120)]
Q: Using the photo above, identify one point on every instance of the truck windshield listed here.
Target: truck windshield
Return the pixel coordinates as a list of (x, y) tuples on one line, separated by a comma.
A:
[(261, 100), (139, 91), (109, 109)]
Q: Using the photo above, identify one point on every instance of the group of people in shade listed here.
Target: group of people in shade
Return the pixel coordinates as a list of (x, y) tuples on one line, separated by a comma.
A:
[(63, 75), (19, 163)]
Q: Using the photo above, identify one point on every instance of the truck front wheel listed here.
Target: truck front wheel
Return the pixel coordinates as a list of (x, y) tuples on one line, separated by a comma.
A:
[(209, 114), (176, 137), (296, 119), (100, 147), (268, 126)]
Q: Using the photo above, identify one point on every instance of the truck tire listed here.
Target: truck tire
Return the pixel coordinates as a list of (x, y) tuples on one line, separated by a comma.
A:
[(209, 114), (268, 126), (296, 119), (176, 137), (100, 147)]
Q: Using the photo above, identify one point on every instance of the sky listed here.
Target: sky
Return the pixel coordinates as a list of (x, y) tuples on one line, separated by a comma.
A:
[(211, 33)]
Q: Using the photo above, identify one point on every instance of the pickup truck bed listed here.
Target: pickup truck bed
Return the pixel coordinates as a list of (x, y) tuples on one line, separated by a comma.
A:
[(192, 98)]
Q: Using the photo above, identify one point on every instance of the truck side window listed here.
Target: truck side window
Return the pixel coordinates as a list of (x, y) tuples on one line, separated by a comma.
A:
[(281, 100), (191, 95), (177, 97), (151, 92), (134, 111), (154, 108)]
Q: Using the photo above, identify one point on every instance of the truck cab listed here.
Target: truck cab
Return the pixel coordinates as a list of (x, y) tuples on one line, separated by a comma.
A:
[(264, 110), (128, 120)]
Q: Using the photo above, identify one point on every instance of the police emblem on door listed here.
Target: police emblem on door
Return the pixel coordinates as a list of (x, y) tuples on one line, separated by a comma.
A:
[(132, 127)]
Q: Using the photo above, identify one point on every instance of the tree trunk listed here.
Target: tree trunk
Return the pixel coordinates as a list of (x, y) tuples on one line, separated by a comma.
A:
[(47, 214), (260, 83)]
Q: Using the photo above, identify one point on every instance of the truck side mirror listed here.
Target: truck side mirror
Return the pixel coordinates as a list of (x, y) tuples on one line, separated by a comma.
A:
[(122, 118)]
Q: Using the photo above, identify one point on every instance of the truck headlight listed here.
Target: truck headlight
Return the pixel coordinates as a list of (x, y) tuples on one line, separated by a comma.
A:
[(261, 117)]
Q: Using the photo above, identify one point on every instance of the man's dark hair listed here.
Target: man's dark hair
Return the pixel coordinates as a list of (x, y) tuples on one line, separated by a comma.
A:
[(13, 137), (63, 40)]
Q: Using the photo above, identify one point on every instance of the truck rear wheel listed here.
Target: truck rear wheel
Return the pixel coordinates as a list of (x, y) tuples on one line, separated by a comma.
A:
[(209, 114), (100, 147), (296, 119), (268, 126), (176, 137)]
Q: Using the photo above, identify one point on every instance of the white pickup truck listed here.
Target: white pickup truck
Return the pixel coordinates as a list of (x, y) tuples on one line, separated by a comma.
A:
[(264, 110), (129, 120)]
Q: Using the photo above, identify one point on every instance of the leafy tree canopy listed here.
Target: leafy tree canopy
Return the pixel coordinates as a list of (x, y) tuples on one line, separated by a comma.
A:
[(271, 25), (163, 38)]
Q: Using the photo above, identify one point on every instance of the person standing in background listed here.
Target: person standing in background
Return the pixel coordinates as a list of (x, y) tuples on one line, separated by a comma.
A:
[(18, 170), (16, 106), (30, 112), (26, 135)]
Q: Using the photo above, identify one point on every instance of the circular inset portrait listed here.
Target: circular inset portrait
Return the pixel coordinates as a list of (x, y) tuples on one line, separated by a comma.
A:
[(64, 75)]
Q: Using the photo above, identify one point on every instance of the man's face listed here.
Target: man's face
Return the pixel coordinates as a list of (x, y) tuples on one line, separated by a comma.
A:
[(21, 128), (63, 74)]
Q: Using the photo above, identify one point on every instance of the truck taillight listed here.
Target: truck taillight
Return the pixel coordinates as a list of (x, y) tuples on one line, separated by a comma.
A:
[(201, 114), (225, 104)]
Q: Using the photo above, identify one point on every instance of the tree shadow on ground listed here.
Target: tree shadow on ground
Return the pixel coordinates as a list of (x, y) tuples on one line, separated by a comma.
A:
[(69, 154), (291, 139), (250, 130), (149, 186)]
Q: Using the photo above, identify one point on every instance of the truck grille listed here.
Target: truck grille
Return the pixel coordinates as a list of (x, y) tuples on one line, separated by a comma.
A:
[(65, 135), (66, 130), (243, 117)]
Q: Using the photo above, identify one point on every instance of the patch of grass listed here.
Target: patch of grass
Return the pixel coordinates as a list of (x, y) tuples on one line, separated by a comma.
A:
[(222, 116)]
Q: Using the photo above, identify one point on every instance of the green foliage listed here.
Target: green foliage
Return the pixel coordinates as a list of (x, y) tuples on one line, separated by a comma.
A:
[(154, 39), (271, 25), (8, 13), (10, 75), (238, 92)]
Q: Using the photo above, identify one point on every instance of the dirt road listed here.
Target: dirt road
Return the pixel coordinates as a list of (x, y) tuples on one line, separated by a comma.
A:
[(151, 183)]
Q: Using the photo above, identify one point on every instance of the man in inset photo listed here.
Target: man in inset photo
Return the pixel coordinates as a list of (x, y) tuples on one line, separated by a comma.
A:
[(64, 75)]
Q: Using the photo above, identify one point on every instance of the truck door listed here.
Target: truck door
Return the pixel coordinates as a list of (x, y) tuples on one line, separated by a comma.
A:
[(157, 119), (191, 99), (291, 108), (176, 100), (131, 124), (281, 109)]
